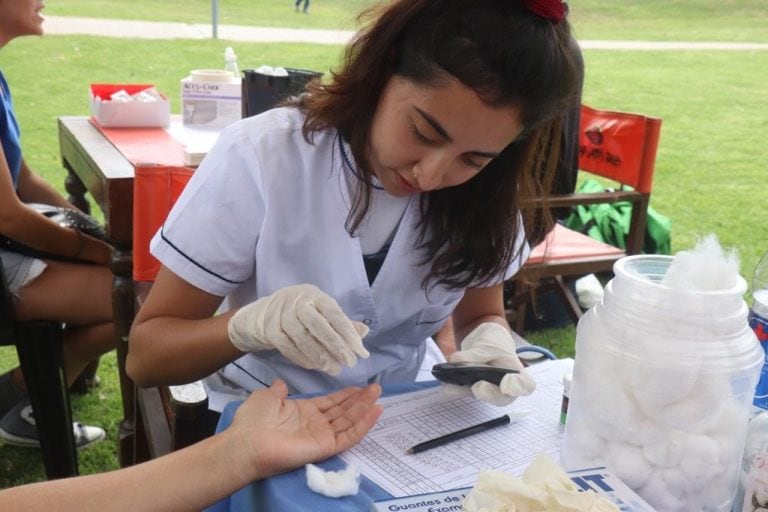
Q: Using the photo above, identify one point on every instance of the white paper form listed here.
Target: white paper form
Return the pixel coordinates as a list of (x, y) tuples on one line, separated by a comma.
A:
[(415, 417), (197, 141)]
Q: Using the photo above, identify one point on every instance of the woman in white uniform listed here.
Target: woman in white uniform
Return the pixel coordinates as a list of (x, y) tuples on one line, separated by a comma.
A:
[(346, 228)]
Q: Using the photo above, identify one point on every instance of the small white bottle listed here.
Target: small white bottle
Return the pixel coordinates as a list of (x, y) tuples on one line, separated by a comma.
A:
[(752, 493), (230, 62)]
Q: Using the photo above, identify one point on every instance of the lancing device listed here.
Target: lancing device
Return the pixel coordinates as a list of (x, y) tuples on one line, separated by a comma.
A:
[(466, 374), (459, 434)]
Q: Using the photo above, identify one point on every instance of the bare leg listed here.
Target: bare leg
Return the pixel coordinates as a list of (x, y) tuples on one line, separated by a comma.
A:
[(80, 296), (83, 344)]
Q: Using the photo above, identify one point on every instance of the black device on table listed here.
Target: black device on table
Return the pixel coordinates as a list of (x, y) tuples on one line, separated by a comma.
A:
[(466, 374)]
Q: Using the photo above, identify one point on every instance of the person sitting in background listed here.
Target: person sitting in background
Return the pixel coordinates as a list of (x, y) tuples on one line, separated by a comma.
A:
[(78, 291), (269, 435)]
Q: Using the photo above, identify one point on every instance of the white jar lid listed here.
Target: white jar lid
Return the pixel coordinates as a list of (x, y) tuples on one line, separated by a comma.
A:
[(211, 75)]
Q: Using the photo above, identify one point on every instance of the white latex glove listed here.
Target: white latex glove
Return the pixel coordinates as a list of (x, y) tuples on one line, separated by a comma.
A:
[(490, 343), (306, 325)]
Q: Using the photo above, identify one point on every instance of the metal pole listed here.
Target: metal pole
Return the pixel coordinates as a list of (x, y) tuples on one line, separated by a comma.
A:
[(215, 18)]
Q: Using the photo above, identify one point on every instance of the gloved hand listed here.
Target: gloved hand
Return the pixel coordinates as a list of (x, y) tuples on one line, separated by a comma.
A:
[(490, 343), (306, 325)]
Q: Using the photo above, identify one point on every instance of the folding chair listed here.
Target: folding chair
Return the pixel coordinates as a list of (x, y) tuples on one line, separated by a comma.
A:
[(617, 146), (38, 344)]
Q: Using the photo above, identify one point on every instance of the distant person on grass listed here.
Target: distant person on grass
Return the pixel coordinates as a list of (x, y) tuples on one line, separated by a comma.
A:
[(77, 292), (305, 10)]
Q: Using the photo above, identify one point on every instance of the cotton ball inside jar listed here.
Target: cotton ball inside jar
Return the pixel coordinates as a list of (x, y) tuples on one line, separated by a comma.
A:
[(700, 460), (585, 448), (676, 482), (628, 463), (659, 387), (728, 433), (656, 493), (699, 411), (666, 451), (611, 409)]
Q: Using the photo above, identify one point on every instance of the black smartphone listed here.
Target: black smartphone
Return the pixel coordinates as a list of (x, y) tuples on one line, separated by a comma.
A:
[(466, 374)]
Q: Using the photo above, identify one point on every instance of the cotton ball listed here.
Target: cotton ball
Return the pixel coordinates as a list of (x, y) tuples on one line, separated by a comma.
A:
[(632, 372), (628, 463), (656, 493), (728, 420), (612, 410), (665, 452), (677, 484), (648, 432), (707, 267), (700, 458), (701, 410), (333, 484), (664, 386), (729, 434), (582, 447)]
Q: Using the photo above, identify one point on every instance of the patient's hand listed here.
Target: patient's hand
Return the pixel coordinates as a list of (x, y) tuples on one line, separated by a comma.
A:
[(281, 434)]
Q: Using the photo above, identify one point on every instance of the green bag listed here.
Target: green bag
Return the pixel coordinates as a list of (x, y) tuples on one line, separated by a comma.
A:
[(609, 222)]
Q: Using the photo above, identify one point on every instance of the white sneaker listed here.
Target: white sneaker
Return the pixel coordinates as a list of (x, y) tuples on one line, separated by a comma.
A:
[(18, 428)]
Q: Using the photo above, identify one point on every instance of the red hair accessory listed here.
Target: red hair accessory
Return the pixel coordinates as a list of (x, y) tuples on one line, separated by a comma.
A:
[(553, 10)]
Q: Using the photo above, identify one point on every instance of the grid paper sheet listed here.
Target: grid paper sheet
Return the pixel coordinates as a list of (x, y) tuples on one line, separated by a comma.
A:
[(415, 417)]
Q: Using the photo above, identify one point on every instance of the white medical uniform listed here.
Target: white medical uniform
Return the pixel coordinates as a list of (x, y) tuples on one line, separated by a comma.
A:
[(266, 210)]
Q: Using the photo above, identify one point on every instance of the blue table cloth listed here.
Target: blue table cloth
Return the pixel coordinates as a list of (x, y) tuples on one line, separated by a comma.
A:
[(289, 492)]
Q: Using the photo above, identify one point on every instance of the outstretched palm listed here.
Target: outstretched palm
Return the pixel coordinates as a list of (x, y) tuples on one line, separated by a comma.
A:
[(289, 433)]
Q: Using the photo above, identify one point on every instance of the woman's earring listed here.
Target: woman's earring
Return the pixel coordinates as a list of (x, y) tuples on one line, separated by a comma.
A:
[(415, 177)]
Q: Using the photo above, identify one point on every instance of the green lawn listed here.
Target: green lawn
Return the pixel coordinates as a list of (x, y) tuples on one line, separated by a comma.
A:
[(714, 105), (670, 20)]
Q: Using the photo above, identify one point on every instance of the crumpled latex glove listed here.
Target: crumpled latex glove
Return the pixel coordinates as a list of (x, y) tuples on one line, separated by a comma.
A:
[(490, 343), (305, 324)]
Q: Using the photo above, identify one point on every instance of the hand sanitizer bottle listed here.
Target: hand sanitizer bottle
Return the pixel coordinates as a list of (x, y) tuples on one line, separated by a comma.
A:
[(230, 62)]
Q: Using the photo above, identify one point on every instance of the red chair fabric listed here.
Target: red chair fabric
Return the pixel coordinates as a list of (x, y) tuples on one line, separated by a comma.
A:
[(621, 147)]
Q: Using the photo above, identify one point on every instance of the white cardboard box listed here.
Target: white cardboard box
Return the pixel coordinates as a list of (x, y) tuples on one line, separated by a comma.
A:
[(210, 103), (133, 114)]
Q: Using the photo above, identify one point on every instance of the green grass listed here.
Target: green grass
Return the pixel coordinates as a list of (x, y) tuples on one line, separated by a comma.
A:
[(711, 167), (670, 20), (330, 14)]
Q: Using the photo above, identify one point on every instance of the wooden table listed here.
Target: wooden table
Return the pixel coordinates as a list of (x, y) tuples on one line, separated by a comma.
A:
[(95, 166)]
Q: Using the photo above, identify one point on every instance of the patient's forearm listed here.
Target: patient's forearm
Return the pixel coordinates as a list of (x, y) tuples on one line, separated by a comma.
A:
[(187, 480)]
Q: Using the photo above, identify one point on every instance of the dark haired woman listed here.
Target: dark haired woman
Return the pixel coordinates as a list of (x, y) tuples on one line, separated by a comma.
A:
[(345, 228)]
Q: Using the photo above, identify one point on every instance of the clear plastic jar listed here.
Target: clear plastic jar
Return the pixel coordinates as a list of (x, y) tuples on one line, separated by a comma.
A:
[(662, 388)]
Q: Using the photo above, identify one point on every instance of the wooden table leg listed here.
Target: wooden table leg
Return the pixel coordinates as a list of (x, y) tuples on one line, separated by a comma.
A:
[(76, 190), (123, 307)]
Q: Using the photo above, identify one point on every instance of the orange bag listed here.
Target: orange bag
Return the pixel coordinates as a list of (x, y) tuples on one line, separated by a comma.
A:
[(155, 190)]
